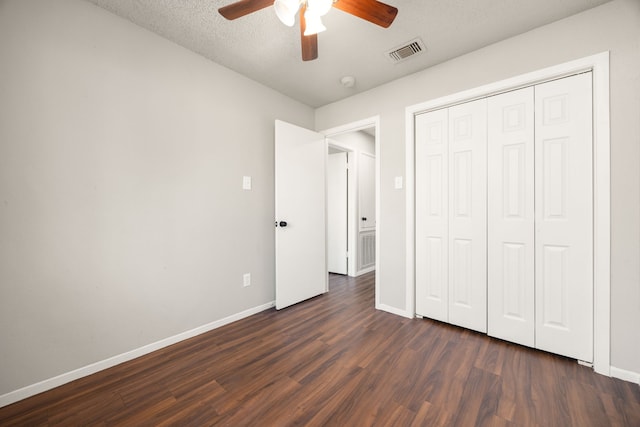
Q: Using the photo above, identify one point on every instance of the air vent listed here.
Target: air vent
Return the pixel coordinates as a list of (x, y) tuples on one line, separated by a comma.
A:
[(406, 51)]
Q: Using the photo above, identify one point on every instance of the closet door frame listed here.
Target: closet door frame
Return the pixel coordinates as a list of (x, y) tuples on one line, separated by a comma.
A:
[(599, 65)]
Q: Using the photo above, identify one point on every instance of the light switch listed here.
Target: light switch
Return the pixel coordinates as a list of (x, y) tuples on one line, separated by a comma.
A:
[(246, 183), (398, 183)]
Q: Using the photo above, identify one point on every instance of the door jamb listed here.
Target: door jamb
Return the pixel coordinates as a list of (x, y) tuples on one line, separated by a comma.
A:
[(599, 65)]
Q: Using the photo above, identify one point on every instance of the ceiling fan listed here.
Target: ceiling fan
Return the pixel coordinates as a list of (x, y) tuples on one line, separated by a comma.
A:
[(311, 12)]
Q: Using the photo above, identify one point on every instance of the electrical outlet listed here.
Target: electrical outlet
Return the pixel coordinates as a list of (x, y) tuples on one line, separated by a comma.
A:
[(246, 279)]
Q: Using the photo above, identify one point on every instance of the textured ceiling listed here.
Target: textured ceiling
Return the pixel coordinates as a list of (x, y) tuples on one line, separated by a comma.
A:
[(261, 48)]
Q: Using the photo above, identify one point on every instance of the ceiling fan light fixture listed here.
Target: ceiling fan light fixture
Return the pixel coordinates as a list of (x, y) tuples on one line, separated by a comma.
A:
[(373, 11), (320, 7), (286, 11), (314, 23)]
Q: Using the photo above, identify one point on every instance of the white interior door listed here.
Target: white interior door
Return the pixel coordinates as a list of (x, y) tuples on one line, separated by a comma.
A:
[(367, 191), (300, 191), (468, 215), (432, 212), (510, 242), (564, 217), (337, 215)]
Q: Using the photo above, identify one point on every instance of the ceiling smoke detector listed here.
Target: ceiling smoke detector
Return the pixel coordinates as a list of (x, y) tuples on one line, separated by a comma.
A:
[(348, 81), (406, 51)]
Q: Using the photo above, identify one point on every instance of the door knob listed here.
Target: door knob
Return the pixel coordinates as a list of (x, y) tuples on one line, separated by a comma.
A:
[(364, 218), (283, 223)]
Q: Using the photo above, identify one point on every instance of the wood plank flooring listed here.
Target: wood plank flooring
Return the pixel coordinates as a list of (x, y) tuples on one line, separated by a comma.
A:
[(336, 361)]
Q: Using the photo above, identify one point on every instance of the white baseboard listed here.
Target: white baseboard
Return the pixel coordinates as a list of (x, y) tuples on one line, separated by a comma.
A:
[(48, 384), (393, 310), (365, 271), (623, 374)]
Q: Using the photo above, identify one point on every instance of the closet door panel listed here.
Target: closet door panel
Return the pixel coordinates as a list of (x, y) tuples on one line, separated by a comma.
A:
[(432, 210), (510, 245), (564, 217), (468, 215)]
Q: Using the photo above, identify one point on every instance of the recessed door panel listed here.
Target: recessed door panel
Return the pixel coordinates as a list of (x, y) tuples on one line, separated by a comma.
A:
[(554, 177), (554, 287), (510, 287), (462, 184), (436, 288), (514, 296), (434, 187), (514, 180), (461, 268)]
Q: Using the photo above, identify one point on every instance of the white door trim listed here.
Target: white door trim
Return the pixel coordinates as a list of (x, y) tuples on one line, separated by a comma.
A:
[(599, 65), (352, 127)]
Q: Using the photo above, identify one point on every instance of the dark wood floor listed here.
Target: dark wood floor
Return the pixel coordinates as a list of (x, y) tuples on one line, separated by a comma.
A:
[(335, 361)]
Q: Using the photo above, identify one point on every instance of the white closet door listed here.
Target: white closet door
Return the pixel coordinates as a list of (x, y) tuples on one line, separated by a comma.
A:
[(468, 215), (432, 215), (510, 298), (564, 206)]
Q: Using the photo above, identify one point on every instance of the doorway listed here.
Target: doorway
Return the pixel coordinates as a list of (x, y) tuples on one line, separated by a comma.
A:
[(301, 207), (359, 142)]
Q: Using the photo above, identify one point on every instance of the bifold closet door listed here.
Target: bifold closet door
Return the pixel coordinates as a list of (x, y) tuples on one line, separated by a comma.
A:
[(564, 217), (504, 216), (510, 287), (451, 218), (432, 213), (468, 215)]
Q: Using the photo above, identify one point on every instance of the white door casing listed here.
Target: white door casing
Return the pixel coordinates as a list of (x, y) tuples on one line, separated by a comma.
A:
[(564, 217), (300, 192), (432, 213), (510, 237), (468, 215), (337, 230)]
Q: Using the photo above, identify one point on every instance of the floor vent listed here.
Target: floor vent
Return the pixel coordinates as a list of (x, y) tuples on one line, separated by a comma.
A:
[(406, 51)]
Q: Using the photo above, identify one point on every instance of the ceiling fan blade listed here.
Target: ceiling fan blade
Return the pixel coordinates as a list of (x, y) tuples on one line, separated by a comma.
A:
[(243, 7), (309, 43), (370, 10)]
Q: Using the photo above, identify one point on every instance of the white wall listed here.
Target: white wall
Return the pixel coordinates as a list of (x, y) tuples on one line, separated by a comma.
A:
[(122, 219), (614, 26)]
